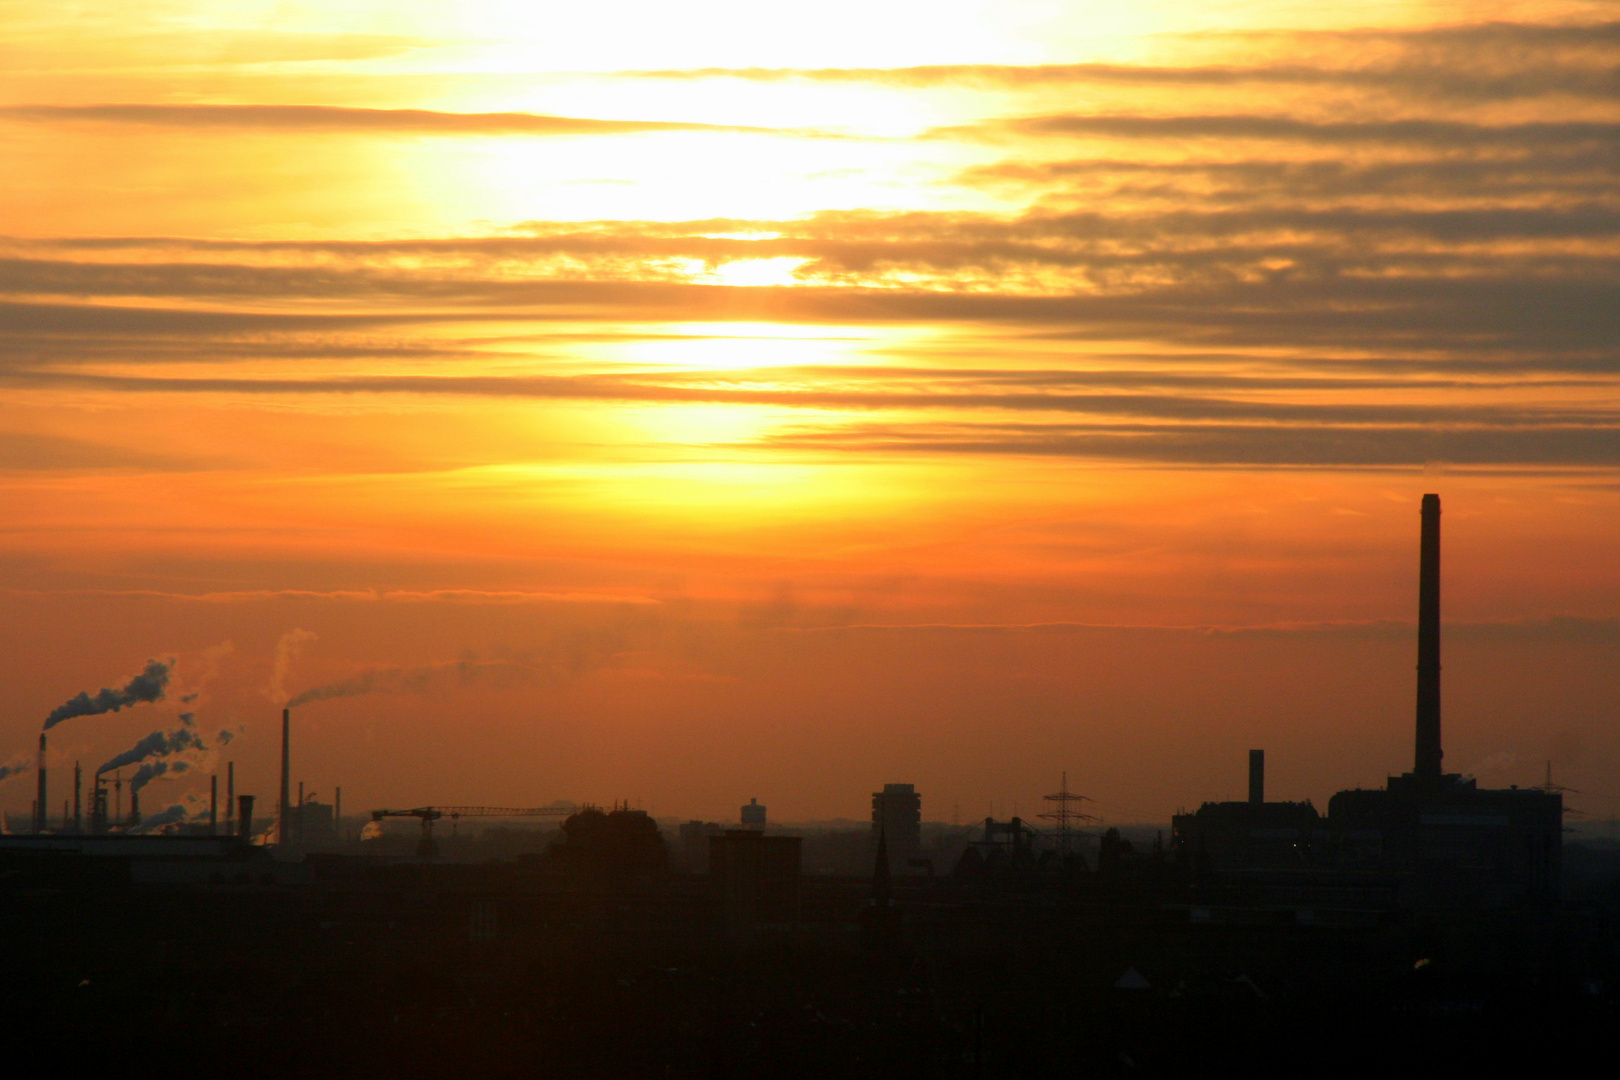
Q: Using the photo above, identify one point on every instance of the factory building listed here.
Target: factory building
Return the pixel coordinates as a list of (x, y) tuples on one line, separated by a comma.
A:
[(1436, 837), (1254, 834), (752, 816), (1451, 842)]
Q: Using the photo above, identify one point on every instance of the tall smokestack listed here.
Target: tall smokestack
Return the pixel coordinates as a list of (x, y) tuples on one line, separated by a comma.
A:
[(41, 806), (1427, 763), (230, 796), (286, 775), (1257, 777), (245, 818), (78, 804)]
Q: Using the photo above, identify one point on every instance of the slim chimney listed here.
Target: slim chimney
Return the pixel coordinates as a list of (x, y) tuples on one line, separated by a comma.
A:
[(78, 804), (245, 818), (1257, 777), (134, 805), (98, 807), (213, 805), (41, 806), (286, 775), (230, 797), (1427, 764)]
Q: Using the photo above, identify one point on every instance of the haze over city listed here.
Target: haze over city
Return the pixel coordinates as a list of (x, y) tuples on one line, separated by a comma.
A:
[(682, 404)]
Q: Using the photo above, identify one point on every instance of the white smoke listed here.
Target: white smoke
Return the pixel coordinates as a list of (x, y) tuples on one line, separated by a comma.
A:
[(288, 649)]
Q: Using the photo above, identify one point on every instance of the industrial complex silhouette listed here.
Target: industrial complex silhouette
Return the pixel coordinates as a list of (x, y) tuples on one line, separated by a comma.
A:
[(1430, 921)]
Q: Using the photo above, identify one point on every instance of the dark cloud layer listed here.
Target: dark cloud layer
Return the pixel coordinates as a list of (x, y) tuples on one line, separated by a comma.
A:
[(1425, 133), (1480, 62), (1300, 446), (1345, 251)]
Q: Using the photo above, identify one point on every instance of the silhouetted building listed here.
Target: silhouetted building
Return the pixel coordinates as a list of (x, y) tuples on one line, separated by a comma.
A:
[(1451, 843), (1009, 852), (897, 818), (694, 845), (619, 849), (753, 815), (757, 876), (1250, 835), (315, 822)]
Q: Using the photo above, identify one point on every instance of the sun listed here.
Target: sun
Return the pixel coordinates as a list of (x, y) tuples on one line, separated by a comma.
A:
[(755, 272)]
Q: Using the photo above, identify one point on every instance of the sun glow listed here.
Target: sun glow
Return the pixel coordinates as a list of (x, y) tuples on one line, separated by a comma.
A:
[(745, 346), (756, 272)]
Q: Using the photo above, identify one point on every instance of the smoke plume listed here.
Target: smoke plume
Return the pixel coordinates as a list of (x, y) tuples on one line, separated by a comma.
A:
[(151, 770), (432, 677), (287, 649), (159, 743), (147, 686), (20, 763), (172, 816)]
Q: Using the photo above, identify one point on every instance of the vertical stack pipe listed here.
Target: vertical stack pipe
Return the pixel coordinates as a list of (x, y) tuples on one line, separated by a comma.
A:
[(98, 809), (230, 795), (286, 775), (1428, 755), (78, 804), (41, 806), (1257, 777)]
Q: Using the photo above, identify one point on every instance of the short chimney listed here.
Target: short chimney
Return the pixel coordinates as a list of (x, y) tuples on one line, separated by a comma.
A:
[(1257, 777)]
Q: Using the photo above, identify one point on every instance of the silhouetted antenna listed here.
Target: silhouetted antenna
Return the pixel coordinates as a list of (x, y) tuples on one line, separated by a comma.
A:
[(1067, 813), (1551, 788)]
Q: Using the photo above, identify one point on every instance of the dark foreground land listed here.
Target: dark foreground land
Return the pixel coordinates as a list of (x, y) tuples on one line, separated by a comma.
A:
[(502, 970)]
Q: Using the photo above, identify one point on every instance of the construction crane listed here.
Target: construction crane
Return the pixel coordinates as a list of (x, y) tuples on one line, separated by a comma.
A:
[(427, 849)]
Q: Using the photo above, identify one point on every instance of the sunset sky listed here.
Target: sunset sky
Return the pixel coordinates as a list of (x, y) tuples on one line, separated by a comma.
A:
[(687, 403)]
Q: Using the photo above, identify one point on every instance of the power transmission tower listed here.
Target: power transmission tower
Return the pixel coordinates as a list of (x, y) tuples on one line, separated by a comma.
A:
[(1067, 813)]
